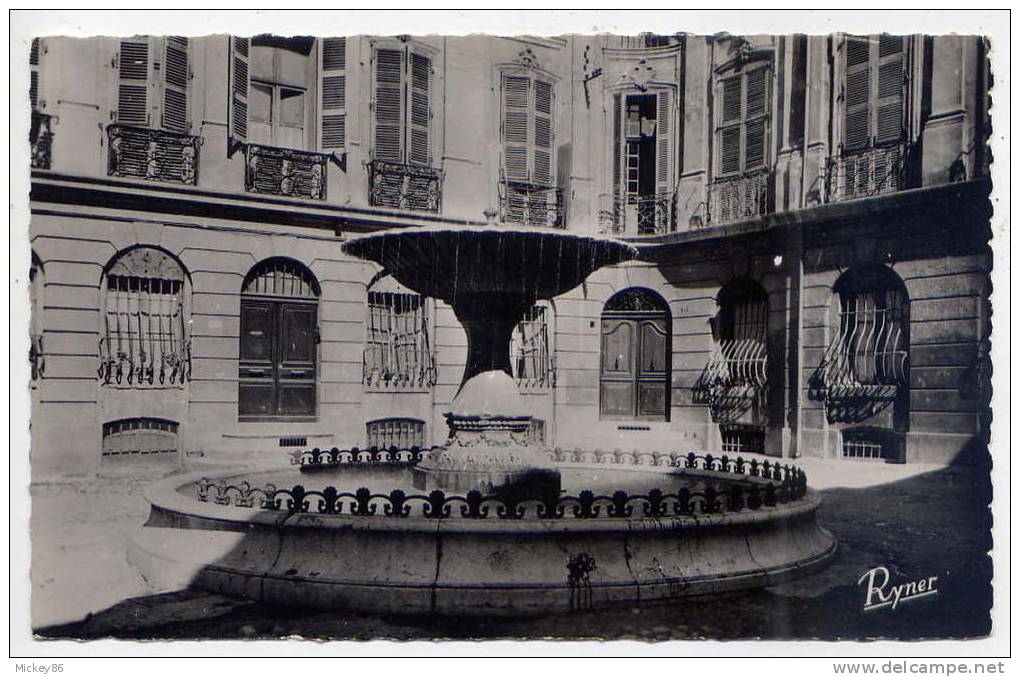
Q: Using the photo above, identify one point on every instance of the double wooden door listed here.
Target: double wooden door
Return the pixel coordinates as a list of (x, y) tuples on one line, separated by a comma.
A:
[(635, 369), (277, 370)]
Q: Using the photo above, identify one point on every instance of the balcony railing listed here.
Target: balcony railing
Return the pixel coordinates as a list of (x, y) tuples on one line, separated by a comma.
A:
[(749, 196), (865, 173), (40, 136), (153, 155), (400, 186), (639, 214), (531, 204), (285, 171)]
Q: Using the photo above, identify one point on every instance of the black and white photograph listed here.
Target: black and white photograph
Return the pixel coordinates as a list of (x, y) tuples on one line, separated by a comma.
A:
[(641, 328)]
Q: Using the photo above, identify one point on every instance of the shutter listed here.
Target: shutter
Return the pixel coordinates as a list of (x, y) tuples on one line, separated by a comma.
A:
[(664, 120), (33, 62), (333, 94), (133, 85), (175, 85), (729, 150), (730, 107), (388, 105), (421, 110), (756, 119), (617, 144), (857, 94), (731, 99), (516, 97), (237, 128), (891, 82), (542, 171)]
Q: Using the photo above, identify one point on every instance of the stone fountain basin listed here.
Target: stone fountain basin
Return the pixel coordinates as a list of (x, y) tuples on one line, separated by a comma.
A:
[(471, 567)]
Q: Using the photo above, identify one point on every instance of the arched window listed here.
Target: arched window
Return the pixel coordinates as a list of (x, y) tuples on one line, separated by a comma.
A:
[(36, 285), (145, 340), (867, 356), (636, 350), (531, 356), (279, 333), (398, 347)]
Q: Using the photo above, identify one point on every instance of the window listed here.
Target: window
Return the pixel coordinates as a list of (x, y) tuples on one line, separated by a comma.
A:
[(402, 106), (530, 355), (636, 353), (36, 286), (398, 353), (402, 433), (742, 122), (527, 124), (536, 433), (279, 336), (642, 162), (143, 60), (145, 341), (873, 91), (868, 355), (288, 92), (742, 439), (140, 438), (868, 443)]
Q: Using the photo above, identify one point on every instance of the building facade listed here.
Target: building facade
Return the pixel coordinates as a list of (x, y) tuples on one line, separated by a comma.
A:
[(812, 215)]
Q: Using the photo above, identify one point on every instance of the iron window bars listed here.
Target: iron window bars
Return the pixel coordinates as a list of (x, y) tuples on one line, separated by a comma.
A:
[(398, 353), (531, 359)]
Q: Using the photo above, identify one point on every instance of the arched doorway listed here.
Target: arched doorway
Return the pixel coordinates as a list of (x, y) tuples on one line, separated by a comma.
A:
[(635, 363), (279, 333)]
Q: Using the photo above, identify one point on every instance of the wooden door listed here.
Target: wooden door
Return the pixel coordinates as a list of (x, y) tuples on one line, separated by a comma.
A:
[(635, 368), (276, 377)]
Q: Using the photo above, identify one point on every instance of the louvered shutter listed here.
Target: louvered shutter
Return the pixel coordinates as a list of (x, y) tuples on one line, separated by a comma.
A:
[(388, 105), (857, 93), (756, 118), (663, 140), (421, 110), (516, 98), (889, 102), (729, 135), (33, 62), (175, 85), (240, 81), (333, 95), (133, 85), (617, 145), (543, 121)]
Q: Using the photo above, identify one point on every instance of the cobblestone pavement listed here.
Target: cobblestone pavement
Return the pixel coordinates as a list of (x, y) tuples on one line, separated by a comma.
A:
[(917, 522)]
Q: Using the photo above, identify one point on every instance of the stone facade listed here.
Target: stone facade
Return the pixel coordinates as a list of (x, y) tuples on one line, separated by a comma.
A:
[(789, 209)]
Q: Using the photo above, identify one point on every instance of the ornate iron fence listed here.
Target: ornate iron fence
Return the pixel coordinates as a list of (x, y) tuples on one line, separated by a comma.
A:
[(643, 215), (868, 172), (285, 171), (153, 154), (767, 485), (402, 186), (744, 197), (531, 204), (40, 136)]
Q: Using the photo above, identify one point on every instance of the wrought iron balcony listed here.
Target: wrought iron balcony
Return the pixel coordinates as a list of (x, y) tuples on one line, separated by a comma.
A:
[(639, 214), (153, 154), (531, 204), (734, 377), (285, 171), (400, 186), (748, 196), (866, 360), (867, 172), (40, 136)]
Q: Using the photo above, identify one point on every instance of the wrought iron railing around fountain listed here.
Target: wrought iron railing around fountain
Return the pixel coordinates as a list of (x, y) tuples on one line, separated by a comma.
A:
[(768, 485)]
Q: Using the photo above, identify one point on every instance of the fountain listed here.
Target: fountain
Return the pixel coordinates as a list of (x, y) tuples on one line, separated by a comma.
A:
[(499, 526)]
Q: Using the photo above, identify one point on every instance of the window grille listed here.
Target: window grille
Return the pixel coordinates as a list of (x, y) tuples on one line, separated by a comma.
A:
[(531, 358), (402, 433), (283, 278), (739, 439), (145, 341), (868, 356), (397, 350), (136, 437), (536, 433), (871, 444)]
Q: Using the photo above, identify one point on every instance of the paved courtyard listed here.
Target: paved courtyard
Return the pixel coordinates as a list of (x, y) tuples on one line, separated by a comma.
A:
[(917, 521)]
